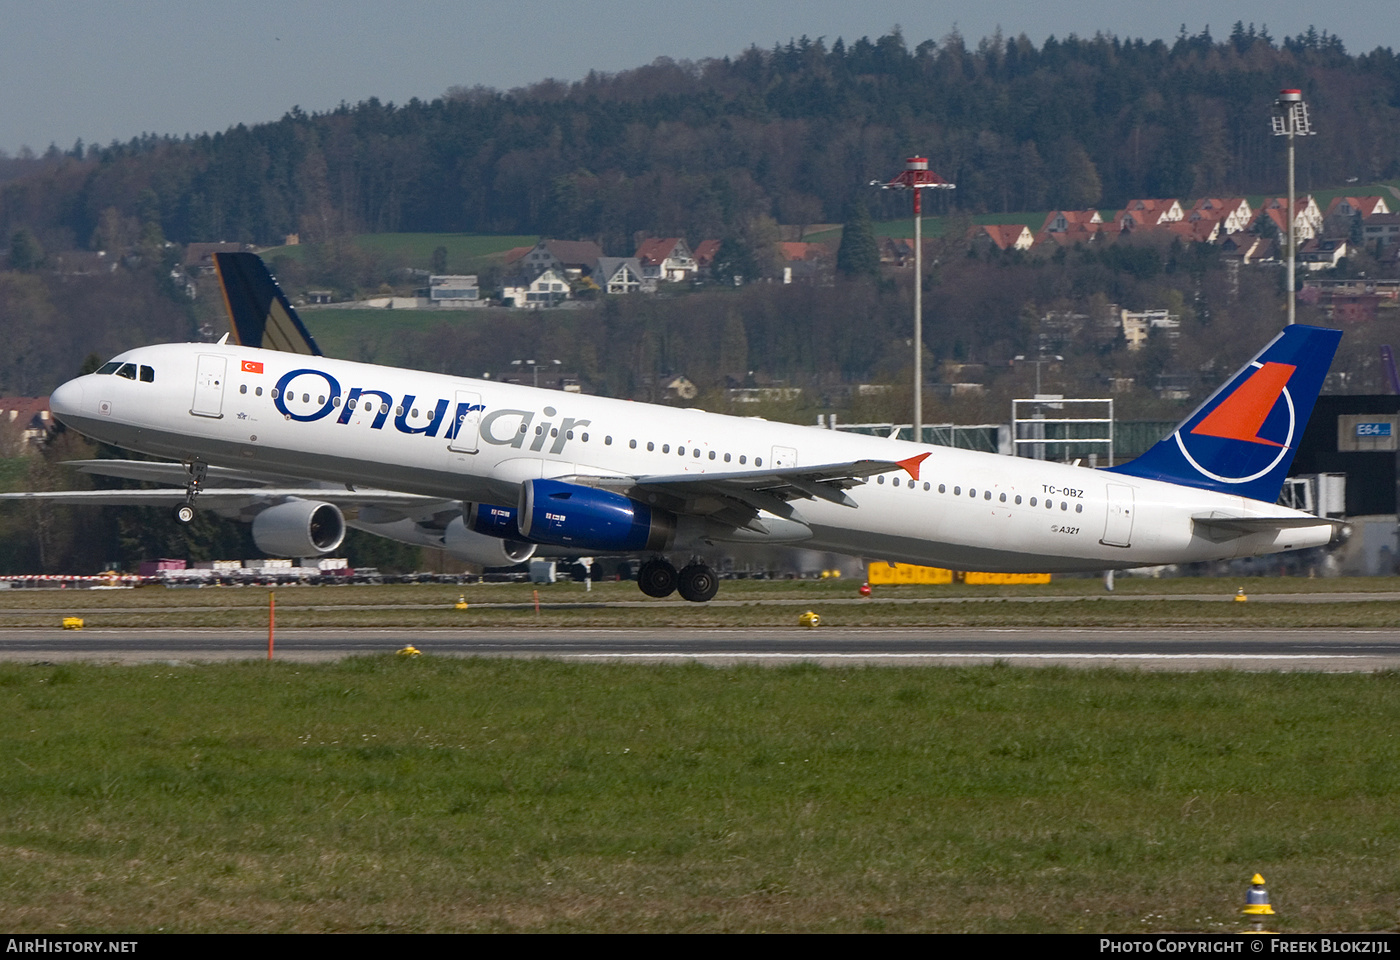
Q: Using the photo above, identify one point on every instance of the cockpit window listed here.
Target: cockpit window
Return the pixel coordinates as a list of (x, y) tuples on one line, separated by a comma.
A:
[(148, 375), (127, 370), (109, 367)]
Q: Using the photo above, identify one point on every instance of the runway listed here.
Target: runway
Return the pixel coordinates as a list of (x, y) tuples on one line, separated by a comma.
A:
[(1179, 649)]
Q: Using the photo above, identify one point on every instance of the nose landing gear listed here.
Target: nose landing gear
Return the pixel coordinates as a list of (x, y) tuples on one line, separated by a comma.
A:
[(196, 473)]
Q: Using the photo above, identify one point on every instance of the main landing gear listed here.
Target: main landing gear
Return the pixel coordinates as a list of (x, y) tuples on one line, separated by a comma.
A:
[(196, 472), (696, 581)]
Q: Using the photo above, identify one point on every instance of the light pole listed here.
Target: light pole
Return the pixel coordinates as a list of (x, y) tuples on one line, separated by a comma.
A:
[(536, 366), (1021, 358), (1290, 119), (917, 177)]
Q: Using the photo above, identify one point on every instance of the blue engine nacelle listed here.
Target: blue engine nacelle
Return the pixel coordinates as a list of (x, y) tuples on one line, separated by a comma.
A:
[(569, 515), (493, 521)]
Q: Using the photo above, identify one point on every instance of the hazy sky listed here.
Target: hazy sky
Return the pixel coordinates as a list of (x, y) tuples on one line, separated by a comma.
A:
[(113, 69)]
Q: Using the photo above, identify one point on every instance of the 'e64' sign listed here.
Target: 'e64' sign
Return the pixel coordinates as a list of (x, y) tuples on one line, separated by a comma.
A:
[(1373, 429)]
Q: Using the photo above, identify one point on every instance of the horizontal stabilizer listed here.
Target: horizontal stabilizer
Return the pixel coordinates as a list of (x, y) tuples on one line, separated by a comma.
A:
[(1218, 528)]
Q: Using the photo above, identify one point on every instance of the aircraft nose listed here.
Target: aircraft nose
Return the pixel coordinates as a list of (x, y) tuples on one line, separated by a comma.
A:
[(67, 400)]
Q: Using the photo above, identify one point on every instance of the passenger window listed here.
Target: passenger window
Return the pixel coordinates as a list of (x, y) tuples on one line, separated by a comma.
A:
[(743, 459), (957, 491), (1064, 505), (1018, 499), (988, 495), (383, 408), (148, 375), (972, 491), (1003, 498), (680, 451), (1032, 501), (926, 487), (665, 448), (650, 446), (726, 458), (880, 478), (696, 452), (127, 371), (242, 388), (273, 393), (257, 391), (942, 488)]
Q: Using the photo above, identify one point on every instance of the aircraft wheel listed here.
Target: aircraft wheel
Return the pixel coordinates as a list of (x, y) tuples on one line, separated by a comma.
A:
[(698, 583), (657, 578), (184, 513)]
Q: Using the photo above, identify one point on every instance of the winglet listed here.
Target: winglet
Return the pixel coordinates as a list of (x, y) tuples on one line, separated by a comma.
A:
[(259, 313), (911, 465)]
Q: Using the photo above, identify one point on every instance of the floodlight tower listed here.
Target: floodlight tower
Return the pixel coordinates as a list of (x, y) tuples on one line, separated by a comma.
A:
[(1290, 119), (917, 177)]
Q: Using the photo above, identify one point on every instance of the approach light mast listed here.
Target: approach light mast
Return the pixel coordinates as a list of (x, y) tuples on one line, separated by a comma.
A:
[(917, 177)]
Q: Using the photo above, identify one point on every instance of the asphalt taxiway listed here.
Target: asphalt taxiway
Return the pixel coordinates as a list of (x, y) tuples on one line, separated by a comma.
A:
[(1180, 649)]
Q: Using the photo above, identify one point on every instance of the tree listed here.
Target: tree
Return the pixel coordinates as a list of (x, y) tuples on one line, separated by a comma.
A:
[(439, 260), (858, 255), (25, 253)]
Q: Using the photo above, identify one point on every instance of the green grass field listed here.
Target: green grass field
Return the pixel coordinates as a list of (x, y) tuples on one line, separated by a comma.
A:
[(380, 336), (497, 795), (464, 250)]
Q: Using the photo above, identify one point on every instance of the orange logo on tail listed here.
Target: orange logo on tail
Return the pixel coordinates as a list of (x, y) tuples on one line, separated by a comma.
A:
[(1242, 413)]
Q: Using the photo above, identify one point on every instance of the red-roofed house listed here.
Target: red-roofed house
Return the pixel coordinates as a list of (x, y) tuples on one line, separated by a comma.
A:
[(24, 421), (1233, 214), (1060, 221), (1004, 236), (1349, 207), (1147, 213), (667, 258), (705, 252)]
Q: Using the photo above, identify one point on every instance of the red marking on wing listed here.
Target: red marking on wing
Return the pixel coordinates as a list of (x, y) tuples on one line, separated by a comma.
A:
[(1240, 415), (911, 466)]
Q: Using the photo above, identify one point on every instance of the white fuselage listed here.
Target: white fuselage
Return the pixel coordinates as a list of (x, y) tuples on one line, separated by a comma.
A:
[(478, 440)]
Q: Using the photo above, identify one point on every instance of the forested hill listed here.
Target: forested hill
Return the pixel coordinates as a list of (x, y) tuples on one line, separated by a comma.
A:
[(795, 132)]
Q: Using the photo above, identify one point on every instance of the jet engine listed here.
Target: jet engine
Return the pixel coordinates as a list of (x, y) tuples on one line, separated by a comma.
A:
[(466, 544), (299, 528), (596, 521)]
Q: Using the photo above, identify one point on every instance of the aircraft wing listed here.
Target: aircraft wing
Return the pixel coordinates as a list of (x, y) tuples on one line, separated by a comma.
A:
[(235, 491), (737, 498)]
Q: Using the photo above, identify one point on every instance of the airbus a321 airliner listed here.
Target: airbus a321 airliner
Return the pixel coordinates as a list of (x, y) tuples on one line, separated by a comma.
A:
[(521, 467)]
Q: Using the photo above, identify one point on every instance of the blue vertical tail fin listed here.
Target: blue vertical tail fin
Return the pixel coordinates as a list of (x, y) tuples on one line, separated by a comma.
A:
[(1241, 441), (259, 313)]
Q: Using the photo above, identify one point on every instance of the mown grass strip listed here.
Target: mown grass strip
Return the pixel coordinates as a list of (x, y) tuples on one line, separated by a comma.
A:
[(443, 794)]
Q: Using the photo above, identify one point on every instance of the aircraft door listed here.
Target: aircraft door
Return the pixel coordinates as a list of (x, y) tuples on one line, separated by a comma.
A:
[(1118, 531), (209, 386), (465, 431)]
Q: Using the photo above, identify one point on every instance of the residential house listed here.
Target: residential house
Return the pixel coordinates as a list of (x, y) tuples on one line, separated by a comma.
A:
[(1233, 214), (1147, 213), (1382, 230), (1137, 325), (1060, 221), (705, 253), (1321, 253), (621, 275), (667, 259), (572, 258), (1004, 236), (454, 291), (546, 290), (24, 423), (1307, 217)]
